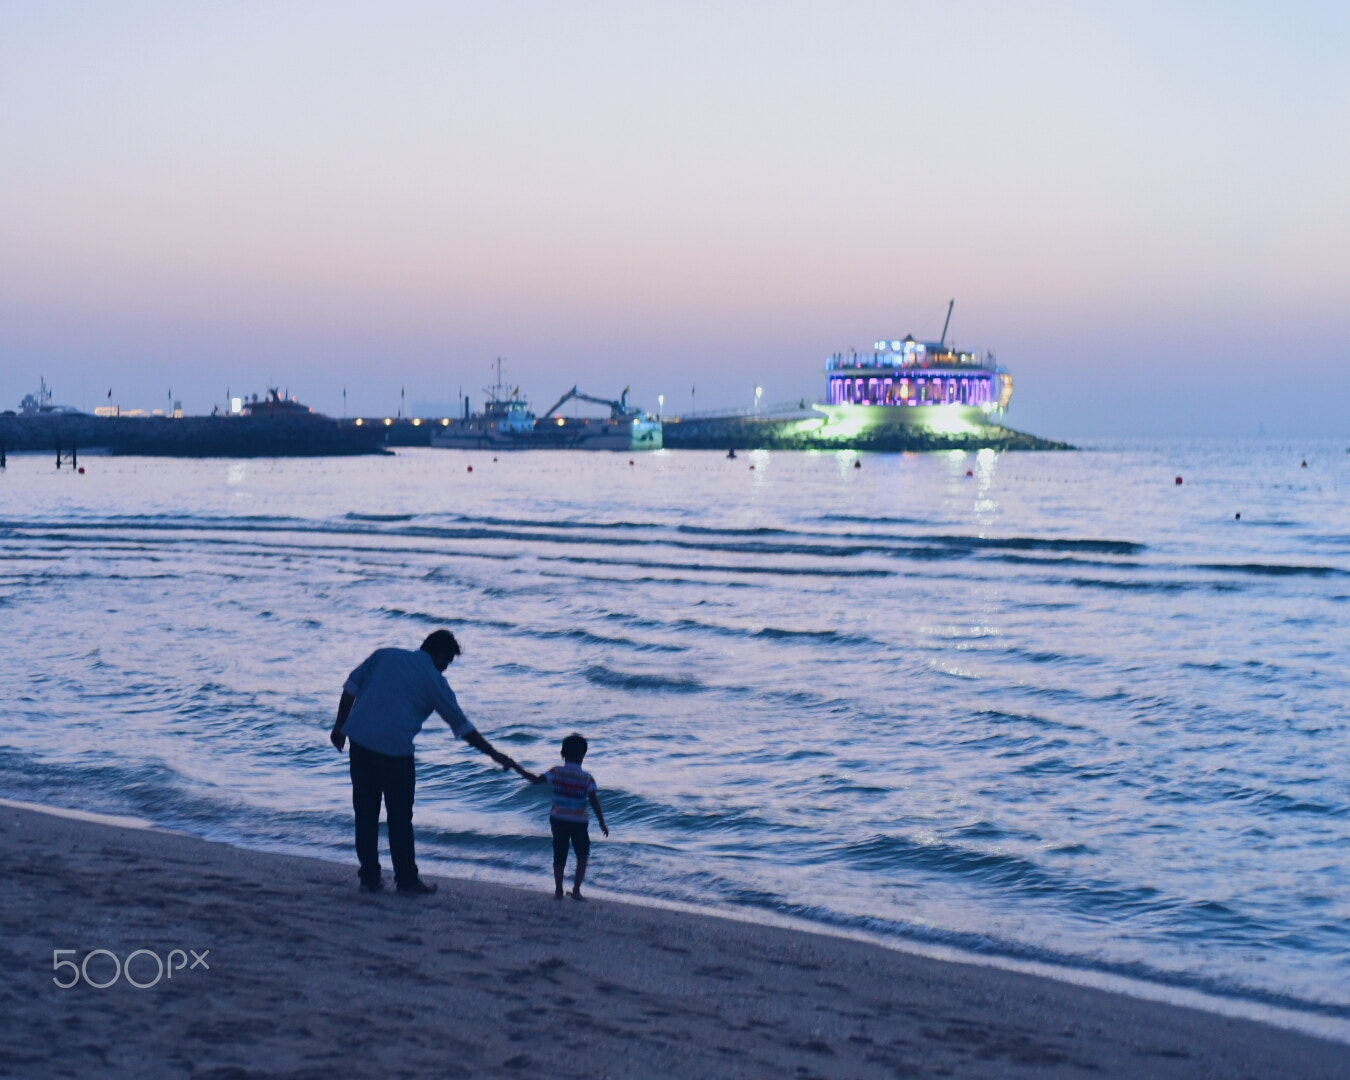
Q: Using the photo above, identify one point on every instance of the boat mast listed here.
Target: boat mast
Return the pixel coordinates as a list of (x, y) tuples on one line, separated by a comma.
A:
[(942, 341), (495, 392)]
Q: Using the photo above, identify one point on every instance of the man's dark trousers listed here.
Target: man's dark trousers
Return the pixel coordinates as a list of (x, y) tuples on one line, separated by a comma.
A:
[(375, 775)]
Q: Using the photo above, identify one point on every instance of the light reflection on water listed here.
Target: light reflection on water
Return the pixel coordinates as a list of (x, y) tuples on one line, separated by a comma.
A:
[(1061, 709)]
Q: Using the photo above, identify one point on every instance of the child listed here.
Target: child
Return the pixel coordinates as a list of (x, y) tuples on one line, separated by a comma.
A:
[(572, 787)]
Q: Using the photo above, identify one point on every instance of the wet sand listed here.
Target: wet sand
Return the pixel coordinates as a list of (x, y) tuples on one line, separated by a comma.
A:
[(306, 977)]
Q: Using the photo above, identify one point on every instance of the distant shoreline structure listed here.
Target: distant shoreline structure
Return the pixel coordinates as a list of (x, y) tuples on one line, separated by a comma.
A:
[(905, 396), (272, 426), (241, 437)]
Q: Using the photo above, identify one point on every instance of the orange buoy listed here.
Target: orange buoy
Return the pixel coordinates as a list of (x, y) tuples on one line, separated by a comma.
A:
[(1178, 480), (470, 468), (970, 472), (81, 470), (630, 461), (752, 468)]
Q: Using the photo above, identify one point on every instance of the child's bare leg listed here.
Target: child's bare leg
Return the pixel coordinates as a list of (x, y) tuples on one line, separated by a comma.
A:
[(578, 877), (559, 857)]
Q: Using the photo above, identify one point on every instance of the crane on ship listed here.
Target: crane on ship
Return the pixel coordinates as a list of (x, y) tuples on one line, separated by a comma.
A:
[(618, 410)]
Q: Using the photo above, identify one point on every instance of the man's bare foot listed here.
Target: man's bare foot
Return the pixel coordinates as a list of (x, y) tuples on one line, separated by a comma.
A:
[(576, 894), (557, 893)]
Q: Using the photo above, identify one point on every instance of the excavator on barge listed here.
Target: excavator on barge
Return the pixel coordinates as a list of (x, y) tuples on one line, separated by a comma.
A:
[(506, 423)]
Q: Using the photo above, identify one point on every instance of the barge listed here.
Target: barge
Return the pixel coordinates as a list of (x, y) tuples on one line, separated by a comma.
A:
[(507, 423)]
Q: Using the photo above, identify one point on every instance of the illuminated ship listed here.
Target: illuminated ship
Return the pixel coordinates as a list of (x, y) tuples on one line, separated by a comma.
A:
[(925, 384)]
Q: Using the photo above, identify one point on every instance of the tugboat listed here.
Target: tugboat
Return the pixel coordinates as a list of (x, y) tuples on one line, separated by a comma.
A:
[(506, 423), (274, 405), (40, 403)]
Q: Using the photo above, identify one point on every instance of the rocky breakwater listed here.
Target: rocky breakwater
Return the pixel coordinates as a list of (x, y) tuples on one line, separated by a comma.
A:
[(776, 433), (309, 435)]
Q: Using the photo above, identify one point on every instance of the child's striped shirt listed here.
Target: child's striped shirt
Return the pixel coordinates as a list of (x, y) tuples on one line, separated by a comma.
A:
[(571, 785)]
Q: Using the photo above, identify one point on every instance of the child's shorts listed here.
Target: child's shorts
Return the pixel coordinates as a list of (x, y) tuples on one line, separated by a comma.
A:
[(576, 832)]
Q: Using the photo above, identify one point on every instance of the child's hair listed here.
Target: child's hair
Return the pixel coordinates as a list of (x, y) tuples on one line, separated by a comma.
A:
[(574, 747)]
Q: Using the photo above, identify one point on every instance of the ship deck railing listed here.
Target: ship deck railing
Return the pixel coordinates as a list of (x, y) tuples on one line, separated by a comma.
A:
[(893, 362), (772, 411)]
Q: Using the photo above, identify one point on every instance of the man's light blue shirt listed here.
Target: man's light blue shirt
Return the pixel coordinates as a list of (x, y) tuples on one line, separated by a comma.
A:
[(395, 691)]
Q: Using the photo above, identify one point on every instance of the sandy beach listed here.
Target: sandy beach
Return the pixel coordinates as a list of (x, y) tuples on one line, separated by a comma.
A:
[(285, 969)]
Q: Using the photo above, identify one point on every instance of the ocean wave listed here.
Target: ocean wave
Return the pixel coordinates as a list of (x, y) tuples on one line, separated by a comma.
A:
[(576, 634), (821, 637), (1275, 569), (787, 571), (1009, 872), (975, 543), (1263, 801), (557, 523), (727, 530), (1167, 917), (1044, 656), (998, 716), (697, 626), (749, 547), (863, 519), (643, 579), (1050, 561), (586, 637), (1147, 586), (1038, 543), (641, 682)]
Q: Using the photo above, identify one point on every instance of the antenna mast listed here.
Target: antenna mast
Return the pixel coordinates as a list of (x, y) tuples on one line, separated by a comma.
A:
[(942, 341)]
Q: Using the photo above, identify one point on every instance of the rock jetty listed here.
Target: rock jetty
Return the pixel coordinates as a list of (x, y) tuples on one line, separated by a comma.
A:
[(749, 433), (190, 436)]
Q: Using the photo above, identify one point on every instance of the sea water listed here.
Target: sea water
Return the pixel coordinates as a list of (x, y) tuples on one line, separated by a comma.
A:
[(1047, 707)]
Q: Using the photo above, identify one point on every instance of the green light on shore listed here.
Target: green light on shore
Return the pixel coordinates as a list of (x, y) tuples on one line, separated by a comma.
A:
[(948, 423), (805, 427), (850, 421), (844, 427)]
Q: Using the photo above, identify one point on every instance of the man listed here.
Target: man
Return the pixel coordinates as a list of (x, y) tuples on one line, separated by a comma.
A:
[(384, 704)]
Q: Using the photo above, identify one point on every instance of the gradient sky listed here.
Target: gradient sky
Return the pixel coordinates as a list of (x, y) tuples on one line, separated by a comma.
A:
[(1144, 209)]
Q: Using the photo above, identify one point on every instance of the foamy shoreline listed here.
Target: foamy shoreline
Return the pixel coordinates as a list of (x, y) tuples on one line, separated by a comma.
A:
[(306, 975)]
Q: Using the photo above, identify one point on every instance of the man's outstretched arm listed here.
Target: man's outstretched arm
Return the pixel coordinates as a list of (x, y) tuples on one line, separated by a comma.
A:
[(344, 710), (475, 739)]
